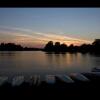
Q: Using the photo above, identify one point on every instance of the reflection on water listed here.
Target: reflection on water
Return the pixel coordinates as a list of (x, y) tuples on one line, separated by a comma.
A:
[(38, 62)]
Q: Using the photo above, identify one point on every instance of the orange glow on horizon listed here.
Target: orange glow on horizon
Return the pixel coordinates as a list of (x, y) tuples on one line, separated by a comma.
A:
[(37, 39), (42, 41)]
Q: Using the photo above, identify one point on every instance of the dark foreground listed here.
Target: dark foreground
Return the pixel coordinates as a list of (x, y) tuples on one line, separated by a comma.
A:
[(77, 90)]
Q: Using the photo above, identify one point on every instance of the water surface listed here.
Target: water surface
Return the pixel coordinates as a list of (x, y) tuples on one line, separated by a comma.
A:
[(38, 62)]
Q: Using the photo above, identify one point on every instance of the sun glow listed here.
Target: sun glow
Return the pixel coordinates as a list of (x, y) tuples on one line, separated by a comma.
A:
[(28, 37)]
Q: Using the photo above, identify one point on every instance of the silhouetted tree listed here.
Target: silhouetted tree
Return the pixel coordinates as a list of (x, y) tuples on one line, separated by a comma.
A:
[(57, 47), (96, 42), (83, 48), (49, 46), (10, 47), (76, 48), (96, 46), (2, 46), (63, 47), (71, 48)]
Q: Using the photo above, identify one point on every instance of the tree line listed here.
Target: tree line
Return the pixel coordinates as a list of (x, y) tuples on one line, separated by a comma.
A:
[(84, 48), (15, 47), (56, 48)]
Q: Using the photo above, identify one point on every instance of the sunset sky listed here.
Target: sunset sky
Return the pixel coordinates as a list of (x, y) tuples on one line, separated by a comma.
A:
[(34, 27)]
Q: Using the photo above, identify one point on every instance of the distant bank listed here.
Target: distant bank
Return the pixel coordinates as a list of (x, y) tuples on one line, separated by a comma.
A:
[(55, 48), (15, 47)]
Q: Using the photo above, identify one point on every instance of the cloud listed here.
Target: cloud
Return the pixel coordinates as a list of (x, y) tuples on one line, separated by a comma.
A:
[(28, 36), (15, 29)]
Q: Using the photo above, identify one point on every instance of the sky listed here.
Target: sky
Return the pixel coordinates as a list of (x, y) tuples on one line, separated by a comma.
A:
[(34, 27)]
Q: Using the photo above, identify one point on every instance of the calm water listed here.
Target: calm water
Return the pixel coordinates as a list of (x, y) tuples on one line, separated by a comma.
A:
[(38, 62)]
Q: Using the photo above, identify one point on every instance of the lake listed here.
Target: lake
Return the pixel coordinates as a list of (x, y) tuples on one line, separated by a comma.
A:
[(38, 62)]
